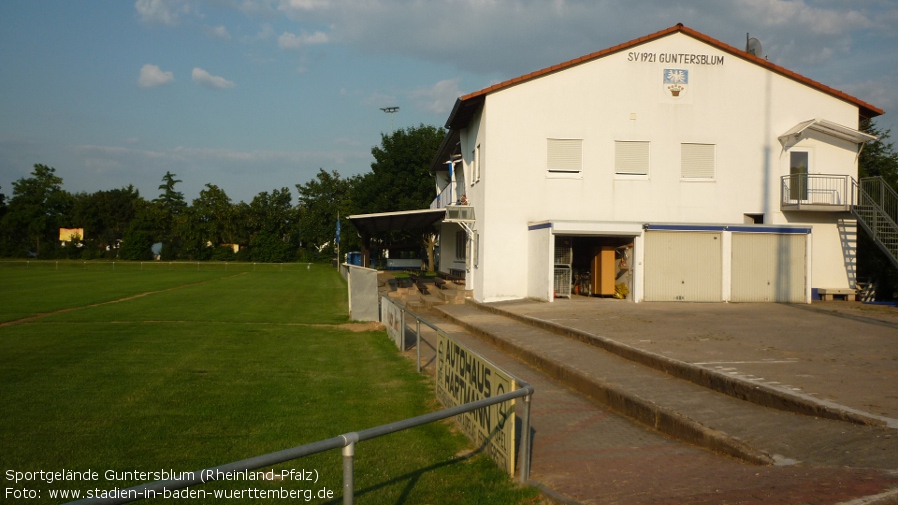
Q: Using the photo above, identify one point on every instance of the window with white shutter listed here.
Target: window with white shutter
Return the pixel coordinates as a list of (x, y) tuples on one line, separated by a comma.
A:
[(697, 161), (631, 157), (564, 157)]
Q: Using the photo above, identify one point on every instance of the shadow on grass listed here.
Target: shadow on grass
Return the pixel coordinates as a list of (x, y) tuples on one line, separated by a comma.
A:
[(412, 478), (415, 476)]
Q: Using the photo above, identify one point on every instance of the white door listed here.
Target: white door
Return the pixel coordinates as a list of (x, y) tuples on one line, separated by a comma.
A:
[(769, 267), (683, 266)]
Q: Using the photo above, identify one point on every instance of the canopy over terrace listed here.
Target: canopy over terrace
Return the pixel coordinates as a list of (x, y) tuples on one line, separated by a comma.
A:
[(372, 224)]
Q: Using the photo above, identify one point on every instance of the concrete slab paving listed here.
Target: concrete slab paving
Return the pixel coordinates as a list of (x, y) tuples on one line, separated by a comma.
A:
[(585, 453), (845, 352)]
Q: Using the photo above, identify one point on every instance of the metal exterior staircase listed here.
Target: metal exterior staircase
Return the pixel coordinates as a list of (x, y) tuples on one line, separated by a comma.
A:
[(876, 210)]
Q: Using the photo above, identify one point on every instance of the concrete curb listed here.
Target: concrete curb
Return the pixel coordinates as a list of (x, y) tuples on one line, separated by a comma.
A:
[(756, 393), (630, 405), (886, 498)]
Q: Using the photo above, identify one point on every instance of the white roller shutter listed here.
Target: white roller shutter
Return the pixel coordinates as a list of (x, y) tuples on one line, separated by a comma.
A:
[(565, 155), (769, 267), (683, 266), (697, 161), (631, 157)]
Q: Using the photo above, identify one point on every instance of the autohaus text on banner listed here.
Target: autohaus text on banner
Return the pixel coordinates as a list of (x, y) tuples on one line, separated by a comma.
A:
[(463, 377)]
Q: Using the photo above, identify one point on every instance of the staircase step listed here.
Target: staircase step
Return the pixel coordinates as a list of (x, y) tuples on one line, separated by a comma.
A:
[(677, 407)]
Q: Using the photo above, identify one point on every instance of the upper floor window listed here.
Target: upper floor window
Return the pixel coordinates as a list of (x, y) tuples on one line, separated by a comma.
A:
[(564, 157), (631, 157), (697, 161)]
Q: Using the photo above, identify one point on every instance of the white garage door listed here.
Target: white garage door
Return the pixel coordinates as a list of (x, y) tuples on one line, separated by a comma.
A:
[(769, 267), (683, 266)]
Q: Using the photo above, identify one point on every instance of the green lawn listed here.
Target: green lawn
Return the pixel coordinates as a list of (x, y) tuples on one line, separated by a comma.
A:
[(210, 366)]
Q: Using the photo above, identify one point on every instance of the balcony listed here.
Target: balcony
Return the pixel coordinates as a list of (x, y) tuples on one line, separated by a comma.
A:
[(817, 192), (446, 197)]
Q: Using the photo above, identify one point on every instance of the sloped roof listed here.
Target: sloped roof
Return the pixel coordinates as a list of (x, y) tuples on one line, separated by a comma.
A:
[(466, 105)]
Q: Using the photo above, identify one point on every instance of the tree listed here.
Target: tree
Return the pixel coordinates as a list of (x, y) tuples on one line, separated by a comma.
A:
[(172, 206), (214, 215), (271, 222), (321, 200), (878, 159), (37, 206), (400, 177), (138, 238), (171, 199), (105, 217), (2, 204)]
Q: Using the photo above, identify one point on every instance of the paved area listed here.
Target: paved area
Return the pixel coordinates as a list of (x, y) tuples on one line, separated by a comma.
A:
[(845, 352), (586, 453)]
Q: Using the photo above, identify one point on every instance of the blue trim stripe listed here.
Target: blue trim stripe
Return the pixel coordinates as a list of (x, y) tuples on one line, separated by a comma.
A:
[(781, 230), (540, 226), (684, 227)]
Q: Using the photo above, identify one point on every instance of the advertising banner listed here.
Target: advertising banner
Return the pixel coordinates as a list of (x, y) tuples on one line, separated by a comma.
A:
[(393, 319), (464, 377)]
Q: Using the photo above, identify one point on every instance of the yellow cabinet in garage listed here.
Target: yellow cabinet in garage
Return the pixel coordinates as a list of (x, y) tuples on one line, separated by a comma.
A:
[(602, 271)]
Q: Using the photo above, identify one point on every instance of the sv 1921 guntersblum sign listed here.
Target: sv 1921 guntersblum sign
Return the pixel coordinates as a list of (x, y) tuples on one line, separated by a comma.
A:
[(680, 58)]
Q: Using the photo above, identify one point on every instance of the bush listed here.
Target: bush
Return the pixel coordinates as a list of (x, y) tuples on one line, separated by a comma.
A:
[(223, 253), (136, 245)]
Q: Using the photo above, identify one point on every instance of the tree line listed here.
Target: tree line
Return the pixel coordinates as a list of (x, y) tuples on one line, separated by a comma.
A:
[(123, 224)]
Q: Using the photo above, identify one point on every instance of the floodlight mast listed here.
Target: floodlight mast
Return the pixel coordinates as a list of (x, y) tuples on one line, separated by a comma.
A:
[(390, 111)]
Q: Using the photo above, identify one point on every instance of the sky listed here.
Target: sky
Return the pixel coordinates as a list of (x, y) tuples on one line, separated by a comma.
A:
[(257, 95)]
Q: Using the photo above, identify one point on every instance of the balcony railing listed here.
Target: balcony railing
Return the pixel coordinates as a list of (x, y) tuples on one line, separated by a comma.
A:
[(448, 196), (817, 192), (443, 199)]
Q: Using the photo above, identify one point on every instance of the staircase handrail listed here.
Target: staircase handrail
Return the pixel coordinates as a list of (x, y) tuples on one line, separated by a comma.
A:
[(881, 217), (888, 198)]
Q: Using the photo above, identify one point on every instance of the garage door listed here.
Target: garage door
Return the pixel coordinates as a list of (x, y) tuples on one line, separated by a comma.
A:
[(683, 266), (769, 267)]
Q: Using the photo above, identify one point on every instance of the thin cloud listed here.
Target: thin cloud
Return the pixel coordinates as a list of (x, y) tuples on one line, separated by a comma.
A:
[(165, 12), (152, 76), (292, 41), (218, 32), (303, 5), (208, 80), (438, 98)]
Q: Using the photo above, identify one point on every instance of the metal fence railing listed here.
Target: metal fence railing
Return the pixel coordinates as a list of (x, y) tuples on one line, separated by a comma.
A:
[(347, 441), (876, 191), (446, 197), (877, 213), (803, 190), (400, 337)]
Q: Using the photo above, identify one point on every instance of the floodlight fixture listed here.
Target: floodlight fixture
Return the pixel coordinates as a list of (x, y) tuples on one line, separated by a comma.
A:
[(390, 111)]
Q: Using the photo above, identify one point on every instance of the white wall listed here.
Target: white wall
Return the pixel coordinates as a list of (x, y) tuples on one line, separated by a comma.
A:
[(740, 107), (540, 275)]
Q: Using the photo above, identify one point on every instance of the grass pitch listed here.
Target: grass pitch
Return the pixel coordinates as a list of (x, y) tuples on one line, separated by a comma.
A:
[(129, 370)]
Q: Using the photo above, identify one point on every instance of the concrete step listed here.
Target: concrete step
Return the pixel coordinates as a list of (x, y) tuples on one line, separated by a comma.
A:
[(452, 296), (432, 300), (681, 408)]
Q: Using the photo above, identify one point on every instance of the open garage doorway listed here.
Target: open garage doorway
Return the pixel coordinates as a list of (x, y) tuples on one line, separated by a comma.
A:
[(598, 266)]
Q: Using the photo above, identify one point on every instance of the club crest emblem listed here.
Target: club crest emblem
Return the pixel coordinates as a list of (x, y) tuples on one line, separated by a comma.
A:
[(676, 81)]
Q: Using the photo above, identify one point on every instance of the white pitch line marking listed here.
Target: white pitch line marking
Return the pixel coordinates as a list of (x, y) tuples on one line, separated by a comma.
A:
[(744, 362)]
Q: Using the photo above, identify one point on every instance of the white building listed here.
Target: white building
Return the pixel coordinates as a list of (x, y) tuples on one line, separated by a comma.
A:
[(670, 167)]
